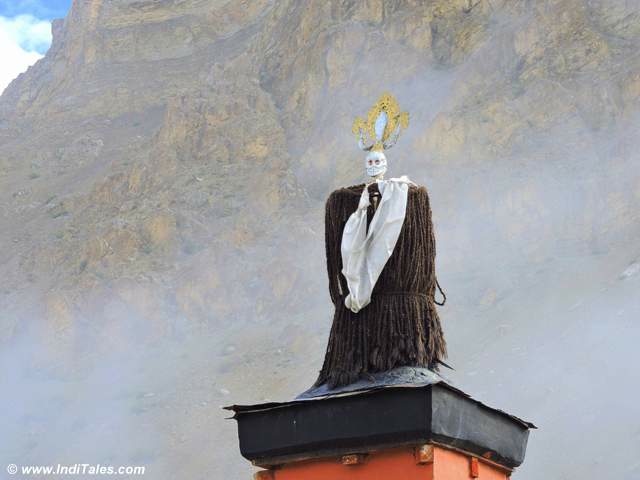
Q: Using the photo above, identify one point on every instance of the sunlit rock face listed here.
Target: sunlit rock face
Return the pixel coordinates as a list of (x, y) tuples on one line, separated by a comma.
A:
[(163, 172)]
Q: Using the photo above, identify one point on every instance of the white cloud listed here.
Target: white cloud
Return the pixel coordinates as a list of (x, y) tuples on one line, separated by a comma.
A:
[(23, 40)]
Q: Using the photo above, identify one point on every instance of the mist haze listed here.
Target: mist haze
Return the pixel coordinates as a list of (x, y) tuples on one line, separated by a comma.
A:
[(163, 172)]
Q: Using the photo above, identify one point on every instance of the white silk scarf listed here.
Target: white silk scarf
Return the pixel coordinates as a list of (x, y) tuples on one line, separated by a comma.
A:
[(365, 253)]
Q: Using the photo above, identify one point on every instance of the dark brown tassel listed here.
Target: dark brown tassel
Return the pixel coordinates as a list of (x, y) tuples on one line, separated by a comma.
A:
[(400, 327)]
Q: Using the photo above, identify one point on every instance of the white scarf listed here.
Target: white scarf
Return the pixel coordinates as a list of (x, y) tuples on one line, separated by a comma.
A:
[(365, 253)]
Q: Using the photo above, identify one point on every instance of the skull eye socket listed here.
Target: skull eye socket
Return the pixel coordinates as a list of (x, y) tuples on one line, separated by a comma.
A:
[(370, 162), (377, 161)]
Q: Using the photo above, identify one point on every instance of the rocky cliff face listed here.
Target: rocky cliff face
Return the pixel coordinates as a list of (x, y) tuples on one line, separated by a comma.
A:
[(162, 177)]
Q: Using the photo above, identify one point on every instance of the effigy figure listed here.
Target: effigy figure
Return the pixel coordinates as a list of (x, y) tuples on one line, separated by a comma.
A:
[(379, 408), (380, 250)]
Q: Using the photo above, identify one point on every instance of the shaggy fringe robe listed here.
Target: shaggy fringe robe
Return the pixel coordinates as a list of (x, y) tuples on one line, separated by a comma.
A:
[(400, 327)]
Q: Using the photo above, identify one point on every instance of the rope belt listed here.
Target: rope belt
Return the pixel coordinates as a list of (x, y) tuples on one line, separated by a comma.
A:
[(407, 294)]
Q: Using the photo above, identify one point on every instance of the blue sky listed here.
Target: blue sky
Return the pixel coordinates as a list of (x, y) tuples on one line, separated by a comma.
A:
[(42, 9), (25, 33)]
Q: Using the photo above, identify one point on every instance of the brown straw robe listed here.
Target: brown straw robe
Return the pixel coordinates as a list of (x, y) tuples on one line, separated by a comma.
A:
[(400, 327)]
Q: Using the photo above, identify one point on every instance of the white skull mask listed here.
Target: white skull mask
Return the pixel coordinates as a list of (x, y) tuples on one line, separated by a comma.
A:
[(375, 163)]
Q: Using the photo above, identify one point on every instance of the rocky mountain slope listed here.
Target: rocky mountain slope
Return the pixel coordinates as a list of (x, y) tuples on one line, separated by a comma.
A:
[(163, 172)]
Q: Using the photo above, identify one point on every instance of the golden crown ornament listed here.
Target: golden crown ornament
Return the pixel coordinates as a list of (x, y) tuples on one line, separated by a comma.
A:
[(380, 131)]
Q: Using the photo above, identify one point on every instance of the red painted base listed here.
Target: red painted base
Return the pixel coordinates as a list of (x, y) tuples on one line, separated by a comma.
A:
[(429, 462)]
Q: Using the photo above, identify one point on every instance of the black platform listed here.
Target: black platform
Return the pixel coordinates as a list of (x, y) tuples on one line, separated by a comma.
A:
[(362, 421)]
